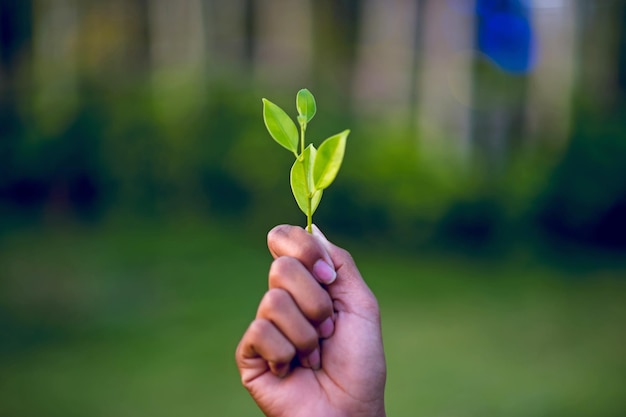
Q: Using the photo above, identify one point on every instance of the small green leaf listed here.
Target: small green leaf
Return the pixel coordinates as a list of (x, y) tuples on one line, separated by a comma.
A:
[(301, 179), (309, 155), (280, 126), (305, 102), (317, 197), (328, 160), (298, 184)]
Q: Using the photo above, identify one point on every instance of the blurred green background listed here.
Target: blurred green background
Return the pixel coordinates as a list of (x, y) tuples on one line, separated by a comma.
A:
[(483, 196)]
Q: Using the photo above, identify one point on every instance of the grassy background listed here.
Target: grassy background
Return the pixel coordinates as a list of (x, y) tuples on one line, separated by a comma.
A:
[(141, 319)]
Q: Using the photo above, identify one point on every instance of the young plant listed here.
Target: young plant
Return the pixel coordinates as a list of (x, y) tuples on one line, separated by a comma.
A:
[(314, 169)]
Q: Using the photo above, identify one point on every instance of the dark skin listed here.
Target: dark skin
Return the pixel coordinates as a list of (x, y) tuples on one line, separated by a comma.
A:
[(315, 346)]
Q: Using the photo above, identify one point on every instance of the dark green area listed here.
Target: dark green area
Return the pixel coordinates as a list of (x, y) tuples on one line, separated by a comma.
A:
[(141, 318), (121, 154)]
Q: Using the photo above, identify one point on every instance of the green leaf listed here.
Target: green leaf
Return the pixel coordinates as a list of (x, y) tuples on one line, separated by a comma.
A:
[(305, 102), (280, 126), (301, 179), (317, 197), (309, 155), (328, 160), (299, 184)]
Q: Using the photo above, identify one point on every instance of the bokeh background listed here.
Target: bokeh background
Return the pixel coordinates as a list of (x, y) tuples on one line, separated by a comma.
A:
[(483, 195)]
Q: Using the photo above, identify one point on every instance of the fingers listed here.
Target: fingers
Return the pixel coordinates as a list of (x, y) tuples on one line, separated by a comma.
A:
[(314, 302), (293, 241), (278, 335), (292, 316), (316, 253), (297, 311), (281, 310), (263, 346)]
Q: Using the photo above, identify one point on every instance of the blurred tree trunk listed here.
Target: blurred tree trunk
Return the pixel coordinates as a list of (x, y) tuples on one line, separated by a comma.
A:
[(621, 75), (336, 29), (140, 52), (283, 51), (384, 71), (505, 35), (178, 56), (600, 22), (177, 35), (551, 85), (229, 29), (445, 81), (55, 64)]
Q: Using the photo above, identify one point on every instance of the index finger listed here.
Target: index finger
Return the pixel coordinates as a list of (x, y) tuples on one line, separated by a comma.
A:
[(295, 242)]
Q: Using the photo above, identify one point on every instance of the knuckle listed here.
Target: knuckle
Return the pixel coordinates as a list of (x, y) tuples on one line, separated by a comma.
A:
[(261, 340), (320, 308), (309, 341), (280, 270), (283, 354), (308, 252), (280, 352), (258, 329), (275, 299)]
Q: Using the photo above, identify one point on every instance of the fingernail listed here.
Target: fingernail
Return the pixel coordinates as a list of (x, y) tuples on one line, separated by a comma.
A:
[(314, 359), (327, 328), (324, 272)]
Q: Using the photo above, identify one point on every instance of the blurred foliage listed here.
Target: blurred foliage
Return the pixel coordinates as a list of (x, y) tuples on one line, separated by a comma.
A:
[(118, 135), (585, 199), (120, 153)]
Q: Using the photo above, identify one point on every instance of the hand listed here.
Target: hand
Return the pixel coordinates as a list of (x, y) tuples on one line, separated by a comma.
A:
[(315, 347)]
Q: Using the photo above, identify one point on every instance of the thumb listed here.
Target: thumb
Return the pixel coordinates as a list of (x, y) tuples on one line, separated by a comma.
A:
[(349, 291)]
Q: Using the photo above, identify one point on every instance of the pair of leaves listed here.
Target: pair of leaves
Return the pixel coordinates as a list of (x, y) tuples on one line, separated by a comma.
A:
[(281, 127), (314, 169)]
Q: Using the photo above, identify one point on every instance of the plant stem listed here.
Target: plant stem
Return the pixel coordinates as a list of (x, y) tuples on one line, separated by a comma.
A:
[(309, 216)]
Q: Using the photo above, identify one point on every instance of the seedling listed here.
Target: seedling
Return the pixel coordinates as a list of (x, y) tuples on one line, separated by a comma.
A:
[(314, 169)]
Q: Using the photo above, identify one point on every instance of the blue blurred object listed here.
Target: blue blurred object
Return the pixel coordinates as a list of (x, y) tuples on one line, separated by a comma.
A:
[(505, 34)]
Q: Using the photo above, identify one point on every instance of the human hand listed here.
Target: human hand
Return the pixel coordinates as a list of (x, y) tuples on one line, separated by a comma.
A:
[(315, 346)]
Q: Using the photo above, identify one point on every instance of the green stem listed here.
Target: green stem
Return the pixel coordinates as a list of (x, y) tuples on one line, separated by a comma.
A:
[(302, 130), (309, 215)]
